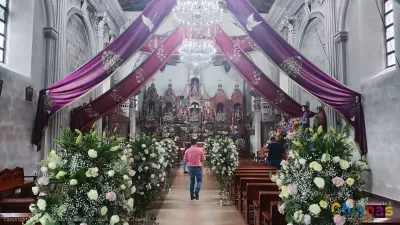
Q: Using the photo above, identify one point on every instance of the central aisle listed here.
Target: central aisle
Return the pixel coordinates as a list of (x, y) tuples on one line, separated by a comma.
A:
[(178, 209)]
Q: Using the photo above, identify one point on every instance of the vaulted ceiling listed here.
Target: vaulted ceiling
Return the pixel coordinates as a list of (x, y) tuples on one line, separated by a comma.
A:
[(262, 6)]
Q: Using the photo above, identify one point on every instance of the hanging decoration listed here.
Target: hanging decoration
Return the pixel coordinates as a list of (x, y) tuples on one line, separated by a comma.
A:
[(102, 66), (323, 87)]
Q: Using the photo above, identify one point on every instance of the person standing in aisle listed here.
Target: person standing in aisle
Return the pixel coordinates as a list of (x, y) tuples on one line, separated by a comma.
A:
[(194, 157)]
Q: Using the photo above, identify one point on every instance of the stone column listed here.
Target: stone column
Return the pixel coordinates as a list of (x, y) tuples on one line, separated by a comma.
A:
[(294, 90), (51, 36), (257, 122), (341, 67), (61, 118), (132, 116), (331, 52)]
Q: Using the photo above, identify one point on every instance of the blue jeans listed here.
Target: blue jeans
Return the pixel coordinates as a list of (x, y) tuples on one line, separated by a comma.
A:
[(185, 167), (275, 163), (195, 173)]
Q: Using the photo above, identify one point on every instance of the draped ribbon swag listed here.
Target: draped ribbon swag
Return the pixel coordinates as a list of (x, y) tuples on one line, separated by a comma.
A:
[(93, 73), (256, 79), (334, 94), (120, 93)]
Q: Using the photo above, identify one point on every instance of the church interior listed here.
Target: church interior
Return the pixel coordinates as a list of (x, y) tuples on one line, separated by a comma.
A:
[(89, 88)]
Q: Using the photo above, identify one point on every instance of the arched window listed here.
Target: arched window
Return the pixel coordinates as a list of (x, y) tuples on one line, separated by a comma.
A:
[(3, 28), (389, 27)]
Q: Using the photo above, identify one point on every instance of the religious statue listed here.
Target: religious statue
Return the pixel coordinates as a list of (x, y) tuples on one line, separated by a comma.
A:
[(320, 119), (307, 114), (168, 107), (195, 86), (272, 132), (151, 108), (237, 112)]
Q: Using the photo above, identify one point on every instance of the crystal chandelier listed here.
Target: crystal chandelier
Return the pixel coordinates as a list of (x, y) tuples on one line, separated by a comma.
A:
[(197, 53), (198, 19)]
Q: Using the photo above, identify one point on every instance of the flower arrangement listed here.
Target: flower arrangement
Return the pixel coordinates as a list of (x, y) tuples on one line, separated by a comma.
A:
[(208, 147), (166, 148), (88, 180), (318, 174), (280, 135), (149, 169), (224, 159)]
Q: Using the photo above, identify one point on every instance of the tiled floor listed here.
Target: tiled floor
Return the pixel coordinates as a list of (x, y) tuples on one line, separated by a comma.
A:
[(178, 209)]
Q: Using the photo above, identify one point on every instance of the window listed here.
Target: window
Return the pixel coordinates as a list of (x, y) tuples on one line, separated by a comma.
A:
[(389, 27), (3, 27)]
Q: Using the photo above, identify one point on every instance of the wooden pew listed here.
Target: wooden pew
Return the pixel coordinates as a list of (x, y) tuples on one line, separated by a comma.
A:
[(391, 221), (236, 181), (252, 193), (16, 205), (263, 203), (243, 184), (14, 218), (12, 180)]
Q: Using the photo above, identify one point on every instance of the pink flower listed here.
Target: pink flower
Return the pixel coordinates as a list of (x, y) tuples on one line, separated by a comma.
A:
[(131, 160), (162, 179), (307, 219), (339, 220), (291, 189), (132, 173), (283, 162), (153, 165), (281, 209), (338, 181), (111, 196), (44, 181)]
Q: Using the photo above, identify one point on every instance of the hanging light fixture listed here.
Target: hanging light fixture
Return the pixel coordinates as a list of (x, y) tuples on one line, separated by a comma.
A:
[(198, 19), (197, 53)]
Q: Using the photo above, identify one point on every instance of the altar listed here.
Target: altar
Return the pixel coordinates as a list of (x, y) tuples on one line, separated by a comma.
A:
[(193, 112)]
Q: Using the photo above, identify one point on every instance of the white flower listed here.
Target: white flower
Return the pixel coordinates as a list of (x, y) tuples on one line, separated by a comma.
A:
[(124, 158), (143, 159), (133, 190), (125, 177), (143, 146), (114, 219), (152, 176), (298, 216), (281, 208), (336, 159), (110, 173), (73, 182), (92, 172), (60, 174), (130, 202), (307, 219), (52, 165), (103, 210), (344, 165), (32, 208), (92, 153), (93, 195), (146, 167), (35, 190), (302, 161), (350, 203), (314, 209), (146, 151), (123, 187), (320, 182), (43, 169), (41, 203), (292, 189), (129, 183)]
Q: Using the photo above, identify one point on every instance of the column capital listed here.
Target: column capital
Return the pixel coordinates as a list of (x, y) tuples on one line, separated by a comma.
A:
[(50, 32), (341, 36), (289, 22), (257, 104)]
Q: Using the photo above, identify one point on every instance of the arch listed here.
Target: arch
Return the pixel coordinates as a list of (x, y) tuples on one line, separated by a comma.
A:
[(87, 24), (304, 26), (342, 15)]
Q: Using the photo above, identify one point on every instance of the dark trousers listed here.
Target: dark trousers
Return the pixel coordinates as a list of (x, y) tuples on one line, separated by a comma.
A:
[(275, 163), (195, 173)]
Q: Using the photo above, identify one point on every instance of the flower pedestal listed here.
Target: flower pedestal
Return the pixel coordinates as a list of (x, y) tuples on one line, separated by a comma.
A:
[(224, 199)]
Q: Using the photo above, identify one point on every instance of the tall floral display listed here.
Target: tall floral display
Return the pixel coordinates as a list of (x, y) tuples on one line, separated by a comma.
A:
[(87, 181), (166, 148), (224, 159), (150, 172), (208, 147), (318, 176)]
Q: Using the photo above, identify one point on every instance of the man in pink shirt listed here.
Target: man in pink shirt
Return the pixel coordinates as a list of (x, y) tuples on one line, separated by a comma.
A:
[(194, 157)]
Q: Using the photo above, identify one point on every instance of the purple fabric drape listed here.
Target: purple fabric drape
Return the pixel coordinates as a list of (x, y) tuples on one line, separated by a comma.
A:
[(100, 67), (299, 69), (256, 79), (131, 84)]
